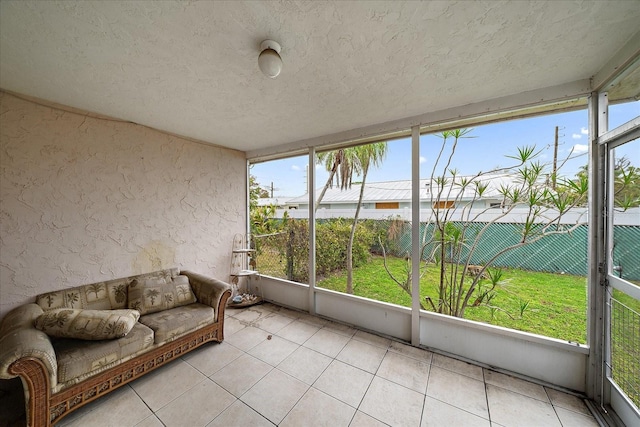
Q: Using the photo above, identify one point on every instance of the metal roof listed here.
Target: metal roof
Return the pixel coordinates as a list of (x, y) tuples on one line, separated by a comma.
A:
[(400, 191)]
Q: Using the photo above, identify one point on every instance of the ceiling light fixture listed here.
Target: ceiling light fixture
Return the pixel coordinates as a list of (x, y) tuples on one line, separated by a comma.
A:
[(269, 60)]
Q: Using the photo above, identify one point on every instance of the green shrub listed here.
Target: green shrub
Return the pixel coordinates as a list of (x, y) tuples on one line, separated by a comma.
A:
[(332, 237)]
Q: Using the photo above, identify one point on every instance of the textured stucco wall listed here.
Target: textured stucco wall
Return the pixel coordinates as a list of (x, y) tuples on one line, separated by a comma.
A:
[(84, 199)]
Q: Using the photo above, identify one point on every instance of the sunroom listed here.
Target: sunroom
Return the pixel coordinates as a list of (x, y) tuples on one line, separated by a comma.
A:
[(131, 135)]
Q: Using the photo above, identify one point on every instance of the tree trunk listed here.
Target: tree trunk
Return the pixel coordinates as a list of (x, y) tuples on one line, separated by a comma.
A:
[(352, 236), (443, 267), (289, 255)]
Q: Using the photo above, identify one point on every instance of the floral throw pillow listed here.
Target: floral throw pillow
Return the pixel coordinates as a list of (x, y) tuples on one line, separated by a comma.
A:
[(90, 325), (155, 295)]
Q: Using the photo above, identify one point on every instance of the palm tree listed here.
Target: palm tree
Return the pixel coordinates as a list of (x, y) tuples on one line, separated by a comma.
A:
[(343, 164), (340, 164), (366, 156)]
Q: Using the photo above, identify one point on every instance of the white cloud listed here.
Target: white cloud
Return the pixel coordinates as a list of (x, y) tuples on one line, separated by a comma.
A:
[(576, 136), (295, 168), (580, 148), (584, 131)]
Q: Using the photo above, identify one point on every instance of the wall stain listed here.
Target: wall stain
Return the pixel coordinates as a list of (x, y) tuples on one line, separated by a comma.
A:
[(154, 256)]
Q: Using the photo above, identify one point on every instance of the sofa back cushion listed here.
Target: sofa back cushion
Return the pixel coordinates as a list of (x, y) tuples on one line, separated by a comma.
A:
[(153, 295), (109, 295)]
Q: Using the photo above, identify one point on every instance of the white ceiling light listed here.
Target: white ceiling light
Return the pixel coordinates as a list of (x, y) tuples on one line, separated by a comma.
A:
[(269, 60)]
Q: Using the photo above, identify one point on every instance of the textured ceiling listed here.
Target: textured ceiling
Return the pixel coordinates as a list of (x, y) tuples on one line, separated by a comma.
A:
[(190, 68)]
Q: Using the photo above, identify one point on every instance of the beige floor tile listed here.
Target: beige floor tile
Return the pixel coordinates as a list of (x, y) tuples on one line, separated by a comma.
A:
[(344, 382), (241, 374), (165, 384), (516, 384), (405, 371), (122, 407), (372, 339), (392, 403), (567, 401), (341, 329), (362, 355), (327, 342), (197, 406), (437, 414), (275, 395), (410, 351), (264, 307), (312, 320), (573, 419), (509, 408), (231, 326), (298, 332), (272, 322), (247, 315), (247, 338), (274, 350), (360, 419), (319, 409), (210, 358), (294, 314), (458, 366), (458, 390), (305, 364), (240, 415), (150, 421), (269, 306)]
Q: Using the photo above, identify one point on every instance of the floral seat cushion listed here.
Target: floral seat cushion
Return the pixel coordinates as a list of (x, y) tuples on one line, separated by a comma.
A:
[(77, 357), (170, 324)]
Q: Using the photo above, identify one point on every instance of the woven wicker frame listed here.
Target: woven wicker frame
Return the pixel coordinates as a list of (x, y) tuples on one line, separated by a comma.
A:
[(45, 409)]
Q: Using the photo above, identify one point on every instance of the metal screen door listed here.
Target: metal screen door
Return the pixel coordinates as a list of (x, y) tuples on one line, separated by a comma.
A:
[(622, 245)]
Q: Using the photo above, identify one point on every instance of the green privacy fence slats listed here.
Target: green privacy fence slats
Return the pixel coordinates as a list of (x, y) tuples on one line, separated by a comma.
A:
[(626, 251), (557, 253)]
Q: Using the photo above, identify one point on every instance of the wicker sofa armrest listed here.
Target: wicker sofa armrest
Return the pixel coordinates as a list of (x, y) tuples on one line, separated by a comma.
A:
[(19, 339), (209, 291)]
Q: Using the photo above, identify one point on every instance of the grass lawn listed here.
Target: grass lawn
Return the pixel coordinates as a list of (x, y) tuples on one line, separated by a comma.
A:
[(557, 303)]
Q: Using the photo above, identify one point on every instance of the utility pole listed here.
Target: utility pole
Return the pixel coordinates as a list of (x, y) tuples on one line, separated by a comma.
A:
[(555, 161), (272, 181)]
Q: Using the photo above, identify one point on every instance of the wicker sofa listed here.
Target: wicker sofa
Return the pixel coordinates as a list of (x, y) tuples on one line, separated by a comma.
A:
[(74, 345)]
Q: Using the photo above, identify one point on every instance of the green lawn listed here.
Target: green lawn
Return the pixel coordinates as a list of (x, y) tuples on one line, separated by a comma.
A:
[(557, 303)]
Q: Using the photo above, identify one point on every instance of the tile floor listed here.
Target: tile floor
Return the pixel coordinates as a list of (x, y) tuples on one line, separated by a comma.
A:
[(281, 367)]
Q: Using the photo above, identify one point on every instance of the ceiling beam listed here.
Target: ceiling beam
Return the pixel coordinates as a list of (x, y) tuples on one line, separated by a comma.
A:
[(513, 106)]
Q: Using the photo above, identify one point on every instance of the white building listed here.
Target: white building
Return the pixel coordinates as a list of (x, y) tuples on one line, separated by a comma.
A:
[(397, 194)]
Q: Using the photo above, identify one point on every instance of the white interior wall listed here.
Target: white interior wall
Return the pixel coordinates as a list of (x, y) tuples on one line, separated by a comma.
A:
[(84, 199)]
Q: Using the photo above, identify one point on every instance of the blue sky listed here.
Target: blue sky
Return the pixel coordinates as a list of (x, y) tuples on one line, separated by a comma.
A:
[(485, 150)]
